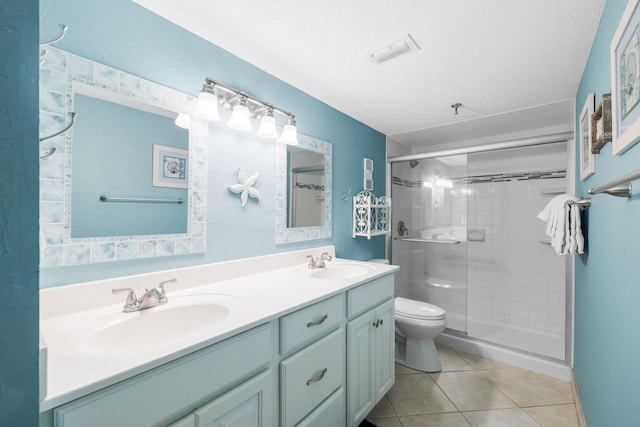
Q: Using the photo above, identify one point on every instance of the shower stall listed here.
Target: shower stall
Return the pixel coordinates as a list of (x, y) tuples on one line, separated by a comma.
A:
[(467, 239)]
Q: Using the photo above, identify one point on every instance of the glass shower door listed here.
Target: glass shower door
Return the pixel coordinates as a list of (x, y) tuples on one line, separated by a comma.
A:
[(430, 233)]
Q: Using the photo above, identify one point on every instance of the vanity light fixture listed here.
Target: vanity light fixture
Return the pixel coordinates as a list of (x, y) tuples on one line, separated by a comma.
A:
[(290, 133), (183, 121), (244, 107), (240, 116), (267, 127), (207, 106)]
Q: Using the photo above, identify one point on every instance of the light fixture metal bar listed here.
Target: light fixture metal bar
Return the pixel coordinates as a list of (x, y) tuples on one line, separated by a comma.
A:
[(214, 83)]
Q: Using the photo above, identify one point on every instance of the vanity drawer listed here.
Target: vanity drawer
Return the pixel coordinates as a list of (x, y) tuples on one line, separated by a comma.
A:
[(171, 388), (310, 323), (332, 412), (369, 295), (308, 377)]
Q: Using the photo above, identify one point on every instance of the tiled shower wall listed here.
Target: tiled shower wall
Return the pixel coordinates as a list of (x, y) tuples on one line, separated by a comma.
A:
[(513, 276)]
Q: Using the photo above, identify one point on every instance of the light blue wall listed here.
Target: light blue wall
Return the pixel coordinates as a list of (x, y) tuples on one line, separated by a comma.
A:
[(607, 289), (19, 213), (123, 35)]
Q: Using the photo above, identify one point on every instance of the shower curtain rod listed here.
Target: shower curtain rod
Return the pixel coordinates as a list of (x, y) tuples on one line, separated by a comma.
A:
[(522, 142)]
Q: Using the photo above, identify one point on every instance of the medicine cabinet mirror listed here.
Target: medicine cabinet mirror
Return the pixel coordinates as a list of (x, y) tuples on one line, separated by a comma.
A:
[(303, 190), (123, 130)]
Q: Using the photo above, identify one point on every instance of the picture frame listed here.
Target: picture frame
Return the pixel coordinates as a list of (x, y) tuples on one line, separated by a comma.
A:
[(170, 167), (601, 124), (587, 158), (625, 80)]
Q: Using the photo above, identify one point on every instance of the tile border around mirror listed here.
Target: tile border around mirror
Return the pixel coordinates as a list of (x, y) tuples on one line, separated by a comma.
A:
[(298, 234), (57, 74)]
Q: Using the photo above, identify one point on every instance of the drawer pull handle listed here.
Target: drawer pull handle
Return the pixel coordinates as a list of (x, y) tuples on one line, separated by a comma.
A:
[(317, 377), (318, 322)]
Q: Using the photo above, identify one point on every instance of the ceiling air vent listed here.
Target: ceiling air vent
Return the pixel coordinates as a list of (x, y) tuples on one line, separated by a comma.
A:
[(393, 50)]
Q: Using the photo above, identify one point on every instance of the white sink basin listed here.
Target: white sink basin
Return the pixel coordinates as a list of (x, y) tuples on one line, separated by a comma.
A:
[(182, 319), (342, 270)]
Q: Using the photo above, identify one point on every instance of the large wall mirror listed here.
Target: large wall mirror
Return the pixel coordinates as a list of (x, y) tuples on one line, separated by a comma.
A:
[(124, 182), (303, 190)]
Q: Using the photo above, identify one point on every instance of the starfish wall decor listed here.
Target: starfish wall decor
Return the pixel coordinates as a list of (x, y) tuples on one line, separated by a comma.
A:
[(245, 186)]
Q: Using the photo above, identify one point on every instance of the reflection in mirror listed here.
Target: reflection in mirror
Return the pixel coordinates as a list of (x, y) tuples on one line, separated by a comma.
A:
[(123, 135), (303, 190), (306, 187), (113, 145)]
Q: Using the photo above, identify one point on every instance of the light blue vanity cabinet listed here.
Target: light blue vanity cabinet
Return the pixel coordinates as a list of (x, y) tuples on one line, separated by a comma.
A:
[(156, 397), (315, 373), (324, 365), (315, 388), (370, 347)]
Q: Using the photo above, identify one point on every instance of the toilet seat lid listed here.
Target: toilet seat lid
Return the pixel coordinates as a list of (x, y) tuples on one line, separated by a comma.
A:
[(417, 309)]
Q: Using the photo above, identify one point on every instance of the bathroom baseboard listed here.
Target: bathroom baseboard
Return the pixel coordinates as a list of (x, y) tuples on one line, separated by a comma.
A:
[(578, 402), (523, 360)]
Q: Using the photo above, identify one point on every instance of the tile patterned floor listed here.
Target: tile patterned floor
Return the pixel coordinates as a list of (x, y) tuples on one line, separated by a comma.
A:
[(472, 391)]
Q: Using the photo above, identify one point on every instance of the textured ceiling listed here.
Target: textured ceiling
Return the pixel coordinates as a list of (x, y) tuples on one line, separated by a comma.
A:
[(493, 56)]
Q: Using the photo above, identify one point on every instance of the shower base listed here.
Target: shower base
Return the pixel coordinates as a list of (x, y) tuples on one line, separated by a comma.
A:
[(475, 343)]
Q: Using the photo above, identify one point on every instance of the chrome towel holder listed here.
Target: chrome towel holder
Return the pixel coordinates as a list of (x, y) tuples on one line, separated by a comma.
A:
[(105, 198), (620, 187)]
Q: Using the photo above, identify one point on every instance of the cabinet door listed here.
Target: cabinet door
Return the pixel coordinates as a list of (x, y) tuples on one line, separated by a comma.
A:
[(197, 376), (248, 405), (360, 363), (384, 368)]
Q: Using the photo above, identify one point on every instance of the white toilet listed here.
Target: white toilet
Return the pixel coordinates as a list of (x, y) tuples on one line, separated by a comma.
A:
[(417, 324)]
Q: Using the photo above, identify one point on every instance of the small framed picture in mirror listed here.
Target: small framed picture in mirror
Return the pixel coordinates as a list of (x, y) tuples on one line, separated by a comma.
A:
[(170, 167)]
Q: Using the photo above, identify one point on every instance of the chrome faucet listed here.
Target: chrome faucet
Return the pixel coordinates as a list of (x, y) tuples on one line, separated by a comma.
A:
[(151, 298), (319, 261)]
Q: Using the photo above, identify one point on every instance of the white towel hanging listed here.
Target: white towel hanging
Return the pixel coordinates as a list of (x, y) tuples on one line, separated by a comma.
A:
[(563, 224)]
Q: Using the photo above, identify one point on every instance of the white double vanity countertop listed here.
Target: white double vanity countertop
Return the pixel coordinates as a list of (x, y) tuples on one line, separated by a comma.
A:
[(91, 343)]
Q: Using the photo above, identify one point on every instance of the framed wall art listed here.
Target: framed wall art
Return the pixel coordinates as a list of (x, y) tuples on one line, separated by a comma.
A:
[(587, 158), (601, 124), (170, 167), (625, 80)]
